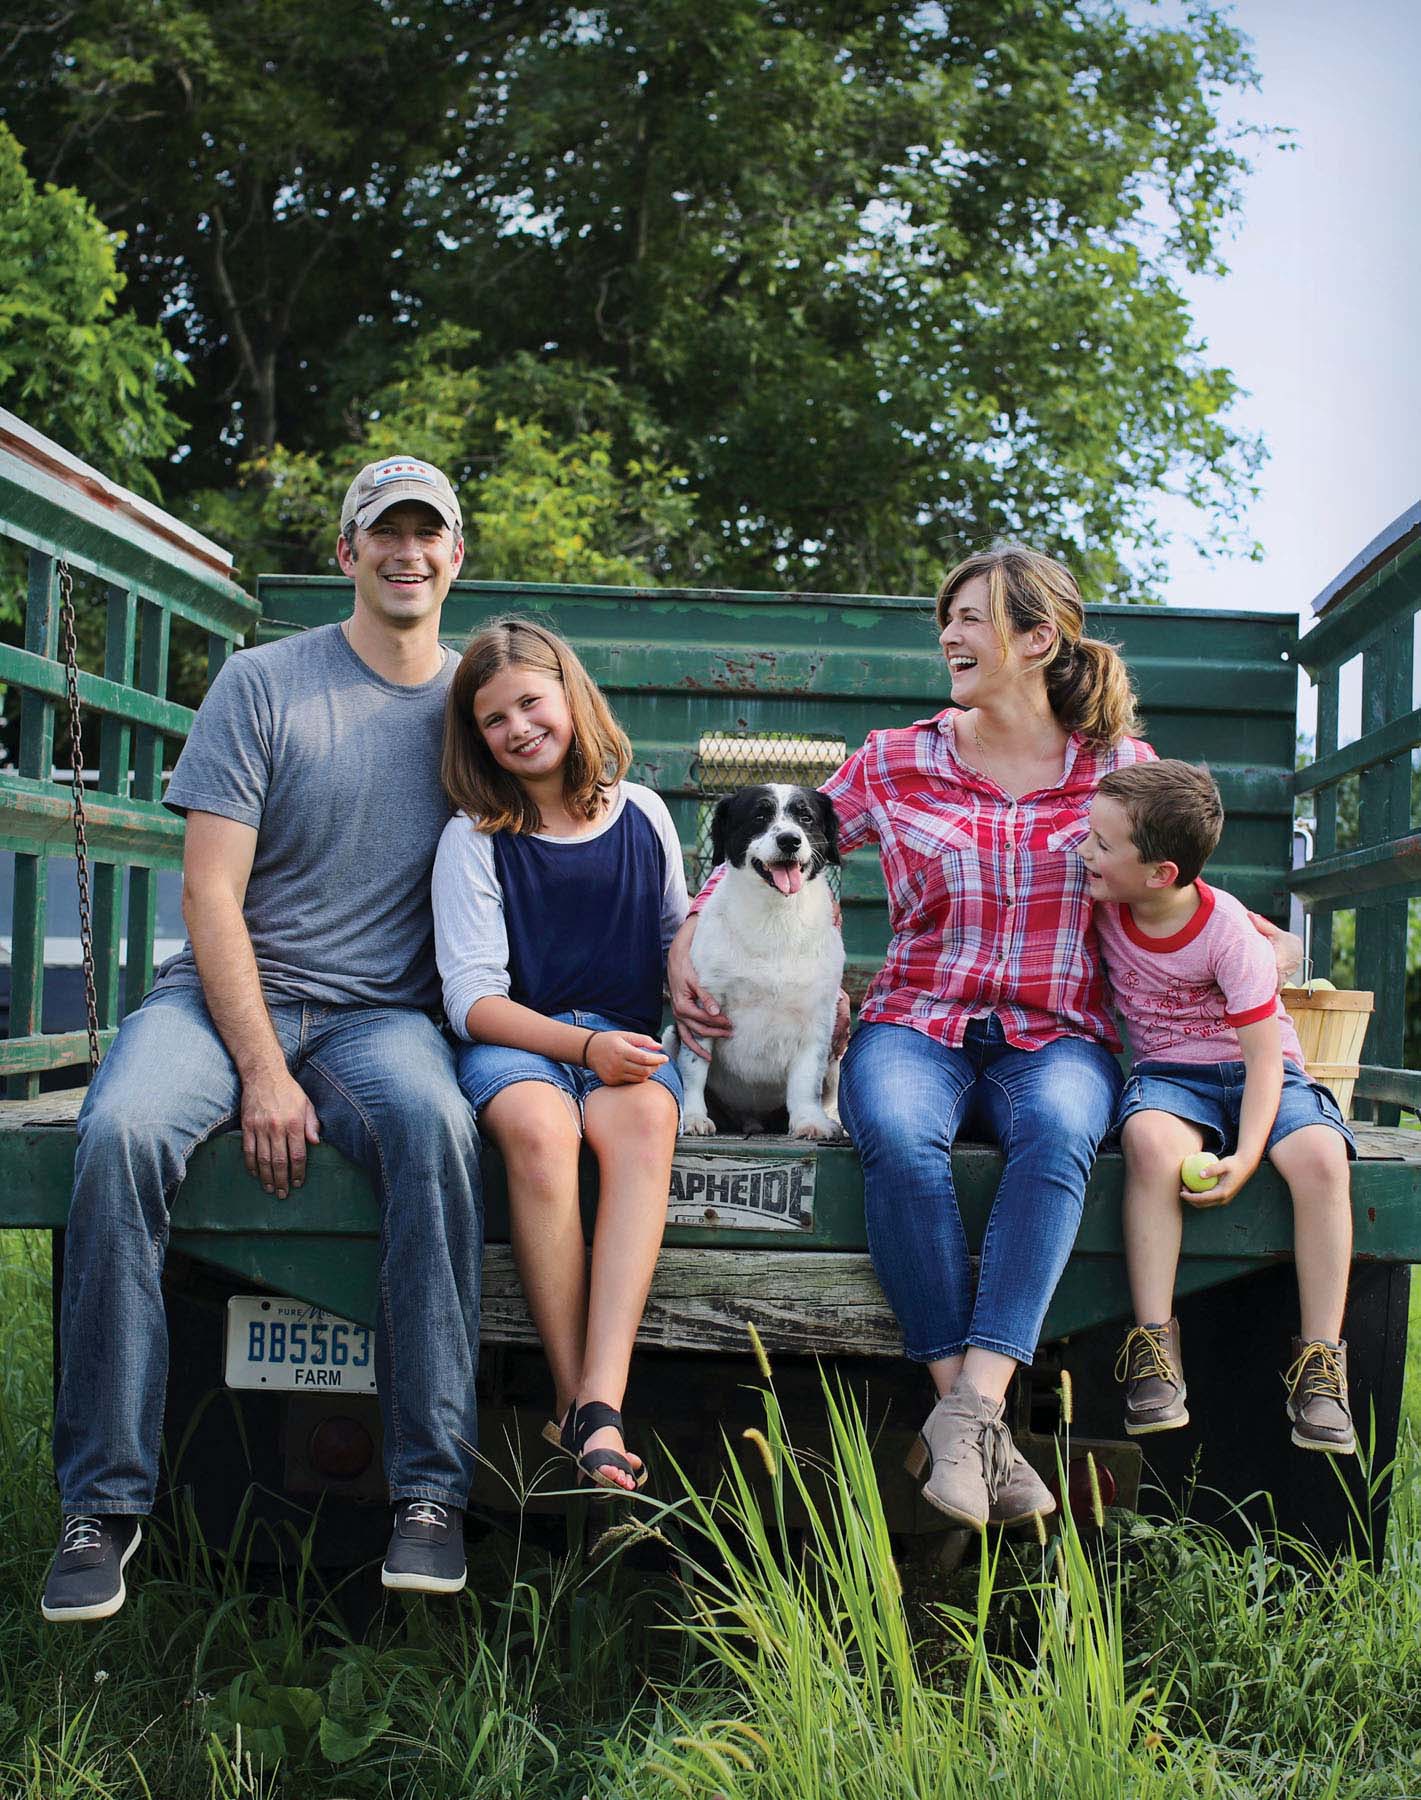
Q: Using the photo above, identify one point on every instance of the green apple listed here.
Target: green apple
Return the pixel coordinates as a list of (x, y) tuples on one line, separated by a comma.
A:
[(1321, 983), (1197, 1171)]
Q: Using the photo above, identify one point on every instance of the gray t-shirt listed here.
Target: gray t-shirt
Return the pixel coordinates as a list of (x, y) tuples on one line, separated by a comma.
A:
[(338, 771)]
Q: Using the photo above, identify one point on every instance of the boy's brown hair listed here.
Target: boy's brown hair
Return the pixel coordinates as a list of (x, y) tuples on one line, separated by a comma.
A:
[(1174, 810), (598, 756)]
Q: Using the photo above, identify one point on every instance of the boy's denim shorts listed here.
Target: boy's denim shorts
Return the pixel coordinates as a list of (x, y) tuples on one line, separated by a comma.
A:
[(1210, 1095), (486, 1069)]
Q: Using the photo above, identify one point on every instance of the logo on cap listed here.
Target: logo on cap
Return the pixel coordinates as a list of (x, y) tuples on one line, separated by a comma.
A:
[(401, 469)]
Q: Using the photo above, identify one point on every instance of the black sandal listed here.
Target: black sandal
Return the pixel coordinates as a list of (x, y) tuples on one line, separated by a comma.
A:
[(582, 1421)]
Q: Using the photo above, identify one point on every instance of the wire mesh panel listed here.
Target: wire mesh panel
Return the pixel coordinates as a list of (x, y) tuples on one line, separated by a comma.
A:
[(726, 761)]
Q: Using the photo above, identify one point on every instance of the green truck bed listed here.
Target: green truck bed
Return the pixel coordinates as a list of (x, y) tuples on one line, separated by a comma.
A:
[(716, 689), (804, 1278)]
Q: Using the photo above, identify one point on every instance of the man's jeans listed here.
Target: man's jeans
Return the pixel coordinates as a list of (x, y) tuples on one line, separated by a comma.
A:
[(903, 1098), (382, 1082)]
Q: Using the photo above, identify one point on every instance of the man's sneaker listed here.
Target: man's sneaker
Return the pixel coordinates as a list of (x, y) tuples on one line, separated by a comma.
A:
[(1153, 1374), (1021, 1495), (86, 1576), (426, 1552), (1317, 1397)]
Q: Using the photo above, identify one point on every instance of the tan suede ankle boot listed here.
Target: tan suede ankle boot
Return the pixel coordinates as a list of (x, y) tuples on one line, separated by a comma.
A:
[(969, 1449)]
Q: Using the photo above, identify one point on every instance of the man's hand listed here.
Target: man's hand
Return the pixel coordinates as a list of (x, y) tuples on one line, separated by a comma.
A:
[(1232, 1171), (1287, 949), (621, 1058), (278, 1121), (696, 1012)]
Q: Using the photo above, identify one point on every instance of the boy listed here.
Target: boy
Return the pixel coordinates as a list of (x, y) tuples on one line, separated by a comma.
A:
[(1217, 1066)]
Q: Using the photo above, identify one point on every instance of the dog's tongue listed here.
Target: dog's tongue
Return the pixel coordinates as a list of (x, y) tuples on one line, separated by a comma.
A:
[(787, 877)]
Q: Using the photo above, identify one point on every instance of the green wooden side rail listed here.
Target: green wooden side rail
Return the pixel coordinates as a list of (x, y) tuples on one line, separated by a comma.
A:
[(144, 569), (1369, 611), (808, 1291)]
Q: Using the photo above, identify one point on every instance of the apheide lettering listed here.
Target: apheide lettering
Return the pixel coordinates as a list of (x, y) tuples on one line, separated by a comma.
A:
[(774, 1191)]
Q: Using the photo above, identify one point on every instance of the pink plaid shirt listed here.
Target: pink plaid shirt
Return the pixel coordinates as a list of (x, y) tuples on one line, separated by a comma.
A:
[(987, 900)]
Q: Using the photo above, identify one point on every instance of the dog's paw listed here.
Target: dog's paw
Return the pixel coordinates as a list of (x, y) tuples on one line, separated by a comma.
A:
[(697, 1125), (820, 1128)]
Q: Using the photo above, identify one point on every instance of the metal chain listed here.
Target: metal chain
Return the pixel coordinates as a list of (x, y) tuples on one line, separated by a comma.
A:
[(81, 841)]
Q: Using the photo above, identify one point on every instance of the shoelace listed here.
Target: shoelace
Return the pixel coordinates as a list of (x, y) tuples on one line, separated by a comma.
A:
[(1143, 1354), (988, 1445), (426, 1512), (997, 1450), (1317, 1372), (81, 1532)]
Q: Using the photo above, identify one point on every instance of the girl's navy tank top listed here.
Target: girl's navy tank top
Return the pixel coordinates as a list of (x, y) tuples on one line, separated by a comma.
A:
[(584, 920)]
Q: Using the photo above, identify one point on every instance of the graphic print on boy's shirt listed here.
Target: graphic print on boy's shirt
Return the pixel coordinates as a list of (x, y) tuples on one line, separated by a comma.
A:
[(1192, 1007)]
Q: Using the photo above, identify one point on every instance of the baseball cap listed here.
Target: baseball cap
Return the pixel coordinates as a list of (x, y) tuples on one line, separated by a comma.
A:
[(381, 485)]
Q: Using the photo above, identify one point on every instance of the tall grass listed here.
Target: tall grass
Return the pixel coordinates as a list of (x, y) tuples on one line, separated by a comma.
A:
[(205, 1688), (1158, 1661), (783, 1654)]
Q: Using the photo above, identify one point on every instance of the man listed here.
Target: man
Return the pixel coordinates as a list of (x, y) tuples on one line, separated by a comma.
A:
[(301, 1008)]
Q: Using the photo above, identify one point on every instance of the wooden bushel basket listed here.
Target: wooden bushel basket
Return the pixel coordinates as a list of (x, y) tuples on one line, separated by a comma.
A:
[(1331, 1024)]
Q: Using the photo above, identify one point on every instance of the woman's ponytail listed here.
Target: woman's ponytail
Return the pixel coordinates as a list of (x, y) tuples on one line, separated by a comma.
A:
[(1090, 691)]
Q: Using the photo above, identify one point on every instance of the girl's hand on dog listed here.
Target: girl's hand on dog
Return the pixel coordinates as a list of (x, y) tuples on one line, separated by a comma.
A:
[(696, 1013), (840, 1040), (620, 1058)]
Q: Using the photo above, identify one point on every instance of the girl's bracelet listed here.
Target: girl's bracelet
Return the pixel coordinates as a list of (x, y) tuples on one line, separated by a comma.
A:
[(586, 1047)]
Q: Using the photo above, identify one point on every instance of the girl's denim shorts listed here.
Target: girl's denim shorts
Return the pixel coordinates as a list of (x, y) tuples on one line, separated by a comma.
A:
[(1210, 1095), (486, 1069)]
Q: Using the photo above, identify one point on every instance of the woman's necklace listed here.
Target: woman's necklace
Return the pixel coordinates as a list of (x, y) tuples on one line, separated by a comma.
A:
[(989, 768)]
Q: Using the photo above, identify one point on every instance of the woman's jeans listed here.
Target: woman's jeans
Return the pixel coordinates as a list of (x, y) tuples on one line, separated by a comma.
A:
[(903, 1097), (382, 1083)]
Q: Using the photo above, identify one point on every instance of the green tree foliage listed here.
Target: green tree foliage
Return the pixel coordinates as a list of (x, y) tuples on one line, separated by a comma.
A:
[(275, 165), (90, 374), (538, 505), (887, 281), (901, 277)]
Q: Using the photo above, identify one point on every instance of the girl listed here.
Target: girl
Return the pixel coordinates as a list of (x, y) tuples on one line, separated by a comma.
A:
[(557, 886)]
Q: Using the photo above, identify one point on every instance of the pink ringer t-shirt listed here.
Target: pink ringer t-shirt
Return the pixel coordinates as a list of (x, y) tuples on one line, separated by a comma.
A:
[(1183, 997)]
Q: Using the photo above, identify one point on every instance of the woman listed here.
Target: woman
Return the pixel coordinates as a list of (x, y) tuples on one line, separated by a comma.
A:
[(991, 1009)]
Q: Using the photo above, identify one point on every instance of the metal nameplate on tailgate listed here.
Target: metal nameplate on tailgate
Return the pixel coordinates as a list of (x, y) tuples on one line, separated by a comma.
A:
[(720, 1190), (288, 1346)]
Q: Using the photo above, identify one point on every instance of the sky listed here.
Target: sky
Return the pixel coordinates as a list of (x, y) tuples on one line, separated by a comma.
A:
[(1318, 316)]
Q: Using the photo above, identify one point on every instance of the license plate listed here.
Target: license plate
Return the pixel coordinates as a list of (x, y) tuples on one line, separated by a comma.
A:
[(286, 1346)]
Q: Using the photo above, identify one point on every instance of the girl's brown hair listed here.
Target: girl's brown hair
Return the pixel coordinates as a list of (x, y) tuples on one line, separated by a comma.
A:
[(598, 756), (1086, 681)]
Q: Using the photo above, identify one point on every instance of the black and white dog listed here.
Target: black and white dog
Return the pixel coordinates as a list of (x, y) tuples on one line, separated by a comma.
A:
[(768, 949)]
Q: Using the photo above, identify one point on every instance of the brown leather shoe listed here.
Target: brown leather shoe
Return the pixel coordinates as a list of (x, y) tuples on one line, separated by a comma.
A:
[(1317, 1397), (1150, 1366)]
